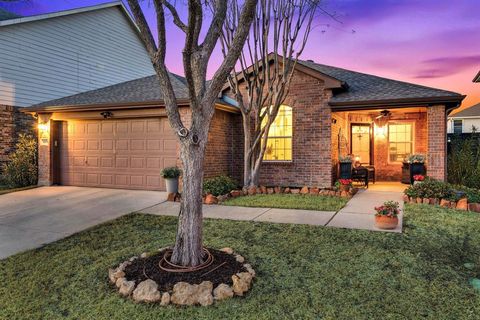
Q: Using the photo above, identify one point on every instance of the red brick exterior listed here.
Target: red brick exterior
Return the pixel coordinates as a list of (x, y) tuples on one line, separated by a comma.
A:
[(437, 142), (12, 123)]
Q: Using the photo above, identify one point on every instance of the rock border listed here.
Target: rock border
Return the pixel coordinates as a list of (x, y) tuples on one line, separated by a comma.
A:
[(461, 204), (211, 199), (183, 293)]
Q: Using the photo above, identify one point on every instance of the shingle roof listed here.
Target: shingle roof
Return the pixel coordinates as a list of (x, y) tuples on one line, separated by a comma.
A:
[(145, 89), (366, 87), (473, 111), (6, 15)]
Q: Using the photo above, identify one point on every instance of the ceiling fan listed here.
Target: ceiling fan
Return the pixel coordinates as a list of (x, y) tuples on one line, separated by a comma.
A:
[(382, 118)]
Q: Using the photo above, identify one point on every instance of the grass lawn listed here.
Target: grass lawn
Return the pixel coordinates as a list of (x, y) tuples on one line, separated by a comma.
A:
[(304, 272), (289, 201)]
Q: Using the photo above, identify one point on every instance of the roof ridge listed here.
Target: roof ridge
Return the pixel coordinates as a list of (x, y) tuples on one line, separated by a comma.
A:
[(378, 77)]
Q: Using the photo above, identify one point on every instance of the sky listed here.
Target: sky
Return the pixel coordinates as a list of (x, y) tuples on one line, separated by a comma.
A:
[(434, 43)]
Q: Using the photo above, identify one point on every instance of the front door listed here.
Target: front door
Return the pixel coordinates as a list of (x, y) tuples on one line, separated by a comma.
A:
[(361, 142)]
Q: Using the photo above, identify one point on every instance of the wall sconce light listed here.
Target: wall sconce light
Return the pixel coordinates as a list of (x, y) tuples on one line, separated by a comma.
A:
[(43, 126), (106, 114)]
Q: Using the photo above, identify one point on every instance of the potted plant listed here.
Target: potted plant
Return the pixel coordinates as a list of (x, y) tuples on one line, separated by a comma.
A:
[(387, 215), (171, 175), (418, 178), (345, 166), (413, 165), (344, 184)]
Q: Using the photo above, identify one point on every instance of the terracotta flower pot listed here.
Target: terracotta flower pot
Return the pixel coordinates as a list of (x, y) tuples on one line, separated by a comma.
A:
[(385, 222)]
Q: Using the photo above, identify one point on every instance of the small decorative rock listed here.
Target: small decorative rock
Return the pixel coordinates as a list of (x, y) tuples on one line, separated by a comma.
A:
[(249, 269), (345, 194), (444, 203), (475, 207), (144, 255), (419, 200), (183, 294), (263, 189), (211, 199), (222, 292), (270, 190), (146, 291), (111, 275), (239, 258), (236, 193), (222, 198), (118, 274), (406, 198), (287, 190), (304, 190), (462, 204), (133, 258), (241, 283), (252, 191), (165, 300), (227, 250), (278, 189), (332, 193), (204, 293), (126, 287), (295, 191), (426, 201), (314, 190)]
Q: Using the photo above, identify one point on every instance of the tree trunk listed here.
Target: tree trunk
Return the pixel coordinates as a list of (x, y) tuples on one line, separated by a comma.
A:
[(247, 141), (188, 245)]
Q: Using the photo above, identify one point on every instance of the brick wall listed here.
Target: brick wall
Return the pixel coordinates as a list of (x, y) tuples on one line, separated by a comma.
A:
[(312, 164), (12, 123), (437, 142)]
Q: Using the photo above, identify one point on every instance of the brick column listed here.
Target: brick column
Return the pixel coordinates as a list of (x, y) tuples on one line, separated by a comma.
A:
[(44, 151), (437, 142)]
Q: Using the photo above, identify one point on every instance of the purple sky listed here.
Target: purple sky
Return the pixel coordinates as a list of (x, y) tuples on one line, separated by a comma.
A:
[(431, 42)]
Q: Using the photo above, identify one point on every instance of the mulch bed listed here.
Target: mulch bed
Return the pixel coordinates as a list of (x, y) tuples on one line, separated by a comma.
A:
[(142, 269)]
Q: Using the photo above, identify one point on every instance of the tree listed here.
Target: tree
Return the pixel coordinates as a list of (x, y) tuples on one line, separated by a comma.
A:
[(280, 31), (188, 250)]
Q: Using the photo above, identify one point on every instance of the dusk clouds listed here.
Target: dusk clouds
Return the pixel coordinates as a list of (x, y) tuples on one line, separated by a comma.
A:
[(430, 42)]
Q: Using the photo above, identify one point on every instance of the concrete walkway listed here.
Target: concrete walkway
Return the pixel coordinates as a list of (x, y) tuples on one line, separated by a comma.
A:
[(359, 212), (31, 218)]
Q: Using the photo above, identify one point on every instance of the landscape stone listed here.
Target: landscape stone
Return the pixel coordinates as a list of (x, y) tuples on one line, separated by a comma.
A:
[(146, 291), (295, 191), (227, 250), (211, 199), (270, 190), (444, 203), (126, 287), (304, 190), (222, 292), (165, 300), (462, 204)]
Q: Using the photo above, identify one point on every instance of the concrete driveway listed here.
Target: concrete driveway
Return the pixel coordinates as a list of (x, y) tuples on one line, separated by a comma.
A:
[(31, 218)]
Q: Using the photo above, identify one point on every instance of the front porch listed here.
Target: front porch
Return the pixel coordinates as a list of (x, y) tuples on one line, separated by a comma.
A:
[(383, 138)]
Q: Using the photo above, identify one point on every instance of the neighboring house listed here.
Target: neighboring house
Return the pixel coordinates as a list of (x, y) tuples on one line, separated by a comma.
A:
[(465, 121), (119, 136), (49, 56), (477, 77)]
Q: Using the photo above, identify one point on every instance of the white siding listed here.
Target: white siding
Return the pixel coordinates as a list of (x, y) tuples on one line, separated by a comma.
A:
[(61, 56), (467, 124)]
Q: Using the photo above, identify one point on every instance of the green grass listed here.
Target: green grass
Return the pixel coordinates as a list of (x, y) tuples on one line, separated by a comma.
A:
[(289, 201), (5, 189), (304, 272)]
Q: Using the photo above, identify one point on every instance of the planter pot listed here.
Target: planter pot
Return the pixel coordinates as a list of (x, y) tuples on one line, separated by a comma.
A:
[(345, 170), (384, 222), (172, 185)]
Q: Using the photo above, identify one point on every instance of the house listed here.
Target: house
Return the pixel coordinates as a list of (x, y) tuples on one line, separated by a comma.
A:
[(54, 55), (119, 136), (465, 121)]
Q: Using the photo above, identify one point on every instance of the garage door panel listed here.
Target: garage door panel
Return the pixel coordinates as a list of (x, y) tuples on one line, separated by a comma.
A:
[(117, 153)]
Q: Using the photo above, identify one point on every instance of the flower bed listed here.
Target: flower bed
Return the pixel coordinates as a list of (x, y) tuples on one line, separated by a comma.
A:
[(314, 191), (434, 192)]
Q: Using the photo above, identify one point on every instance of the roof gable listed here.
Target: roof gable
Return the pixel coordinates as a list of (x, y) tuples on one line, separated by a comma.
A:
[(362, 87), (473, 111)]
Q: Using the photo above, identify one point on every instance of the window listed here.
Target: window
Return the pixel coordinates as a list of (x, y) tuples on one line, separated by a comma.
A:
[(400, 141), (279, 142), (457, 126)]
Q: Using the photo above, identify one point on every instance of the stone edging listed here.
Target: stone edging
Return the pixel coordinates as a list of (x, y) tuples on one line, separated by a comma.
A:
[(183, 293), (461, 204), (211, 199)]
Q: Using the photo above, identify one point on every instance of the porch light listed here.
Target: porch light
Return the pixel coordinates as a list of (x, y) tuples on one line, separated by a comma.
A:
[(43, 126), (380, 131)]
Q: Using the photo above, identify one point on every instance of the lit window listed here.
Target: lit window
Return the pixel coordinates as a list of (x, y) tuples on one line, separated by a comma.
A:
[(457, 126), (279, 142), (400, 141)]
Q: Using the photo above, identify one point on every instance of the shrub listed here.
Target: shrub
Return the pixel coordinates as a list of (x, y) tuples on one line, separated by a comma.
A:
[(473, 195), (219, 185), (416, 158), (21, 170), (171, 173), (464, 161), (430, 188)]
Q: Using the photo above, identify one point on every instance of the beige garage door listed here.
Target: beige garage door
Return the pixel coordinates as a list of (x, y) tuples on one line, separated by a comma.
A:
[(125, 154)]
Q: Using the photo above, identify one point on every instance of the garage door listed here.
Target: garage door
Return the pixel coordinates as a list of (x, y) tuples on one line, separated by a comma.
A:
[(125, 154)]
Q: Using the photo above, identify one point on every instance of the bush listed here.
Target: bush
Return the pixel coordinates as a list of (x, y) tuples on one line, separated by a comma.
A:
[(430, 188), (473, 195), (219, 185), (21, 170), (464, 161), (171, 173)]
